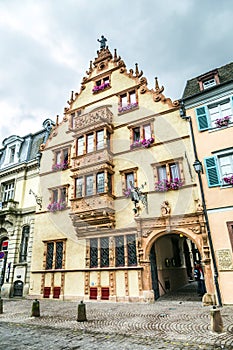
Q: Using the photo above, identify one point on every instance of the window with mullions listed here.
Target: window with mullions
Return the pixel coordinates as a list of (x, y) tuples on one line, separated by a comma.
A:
[(127, 101), (8, 191), (24, 244), (170, 170), (120, 251), (54, 255), (210, 116), (131, 250), (93, 252), (104, 252)]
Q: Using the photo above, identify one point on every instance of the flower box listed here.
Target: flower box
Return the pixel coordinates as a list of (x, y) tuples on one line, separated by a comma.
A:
[(128, 107), (61, 166), (220, 122), (144, 143), (101, 87), (228, 180), (165, 185), (56, 206)]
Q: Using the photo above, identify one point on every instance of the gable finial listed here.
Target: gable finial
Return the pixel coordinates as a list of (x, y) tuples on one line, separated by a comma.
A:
[(102, 42), (156, 84)]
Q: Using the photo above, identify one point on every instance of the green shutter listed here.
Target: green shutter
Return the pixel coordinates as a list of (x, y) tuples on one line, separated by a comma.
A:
[(202, 118), (212, 171)]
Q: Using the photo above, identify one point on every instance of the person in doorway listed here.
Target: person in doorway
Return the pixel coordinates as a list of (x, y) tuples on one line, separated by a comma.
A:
[(199, 277)]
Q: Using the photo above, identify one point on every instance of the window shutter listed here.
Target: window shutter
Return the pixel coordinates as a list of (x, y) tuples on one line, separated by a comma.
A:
[(231, 107), (202, 118), (212, 171)]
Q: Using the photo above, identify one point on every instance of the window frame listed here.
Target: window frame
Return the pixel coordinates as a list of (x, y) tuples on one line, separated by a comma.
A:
[(24, 244), (107, 181), (61, 158), (213, 168), (101, 84), (52, 263), (124, 174), (166, 165), (203, 114), (8, 193), (125, 103)]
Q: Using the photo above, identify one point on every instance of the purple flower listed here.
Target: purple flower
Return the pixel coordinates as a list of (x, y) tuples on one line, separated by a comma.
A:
[(55, 206), (222, 121), (100, 87), (128, 107), (228, 179), (165, 185)]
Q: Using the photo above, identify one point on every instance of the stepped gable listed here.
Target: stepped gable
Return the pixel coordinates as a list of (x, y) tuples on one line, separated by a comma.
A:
[(102, 63)]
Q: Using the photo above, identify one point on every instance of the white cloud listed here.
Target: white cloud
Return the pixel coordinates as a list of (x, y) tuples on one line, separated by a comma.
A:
[(46, 47)]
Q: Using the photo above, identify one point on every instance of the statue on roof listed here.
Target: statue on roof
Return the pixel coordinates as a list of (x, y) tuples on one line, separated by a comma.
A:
[(102, 42)]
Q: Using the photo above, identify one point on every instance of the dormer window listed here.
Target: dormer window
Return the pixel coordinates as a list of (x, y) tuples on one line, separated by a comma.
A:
[(209, 83), (12, 154), (208, 80)]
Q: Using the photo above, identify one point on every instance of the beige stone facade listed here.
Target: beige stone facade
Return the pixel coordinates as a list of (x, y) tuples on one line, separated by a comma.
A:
[(121, 218)]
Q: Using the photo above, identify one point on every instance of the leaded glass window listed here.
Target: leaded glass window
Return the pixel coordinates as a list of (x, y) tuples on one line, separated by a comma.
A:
[(24, 244), (104, 252), (79, 187), (49, 256), (90, 143), (100, 139), (120, 251), (131, 250), (89, 185), (80, 149), (100, 182), (93, 252), (59, 255)]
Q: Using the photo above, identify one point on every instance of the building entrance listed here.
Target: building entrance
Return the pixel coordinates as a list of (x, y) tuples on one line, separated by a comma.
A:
[(172, 259)]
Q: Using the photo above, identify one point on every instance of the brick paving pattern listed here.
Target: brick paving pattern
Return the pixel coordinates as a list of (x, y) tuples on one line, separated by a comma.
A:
[(164, 324)]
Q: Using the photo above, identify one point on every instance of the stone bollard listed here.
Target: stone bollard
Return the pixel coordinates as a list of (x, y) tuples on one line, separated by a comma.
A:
[(1, 306), (216, 320), (35, 308), (81, 312)]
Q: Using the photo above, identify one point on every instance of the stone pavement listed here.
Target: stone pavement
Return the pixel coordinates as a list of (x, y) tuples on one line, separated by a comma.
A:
[(164, 324)]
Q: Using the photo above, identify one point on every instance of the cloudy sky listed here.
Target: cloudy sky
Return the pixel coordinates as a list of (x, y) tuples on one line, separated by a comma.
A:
[(46, 47)]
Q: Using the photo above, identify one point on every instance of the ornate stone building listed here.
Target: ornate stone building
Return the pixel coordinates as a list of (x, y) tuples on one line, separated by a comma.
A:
[(19, 164), (121, 219)]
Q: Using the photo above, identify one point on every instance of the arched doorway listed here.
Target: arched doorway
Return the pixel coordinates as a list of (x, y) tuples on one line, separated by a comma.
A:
[(172, 258)]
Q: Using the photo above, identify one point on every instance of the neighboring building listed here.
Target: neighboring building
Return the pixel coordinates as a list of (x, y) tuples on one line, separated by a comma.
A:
[(209, 102), (19, 180), (121, 218)]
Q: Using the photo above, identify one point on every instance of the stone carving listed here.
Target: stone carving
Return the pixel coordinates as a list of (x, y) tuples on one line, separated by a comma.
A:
[(102, 115), (165, 208)]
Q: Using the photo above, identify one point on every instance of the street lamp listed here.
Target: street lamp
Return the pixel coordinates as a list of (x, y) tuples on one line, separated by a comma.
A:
[(199, 170)]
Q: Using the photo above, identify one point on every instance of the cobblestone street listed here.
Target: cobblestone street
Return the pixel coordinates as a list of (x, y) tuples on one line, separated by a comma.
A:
[(162, 325)]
